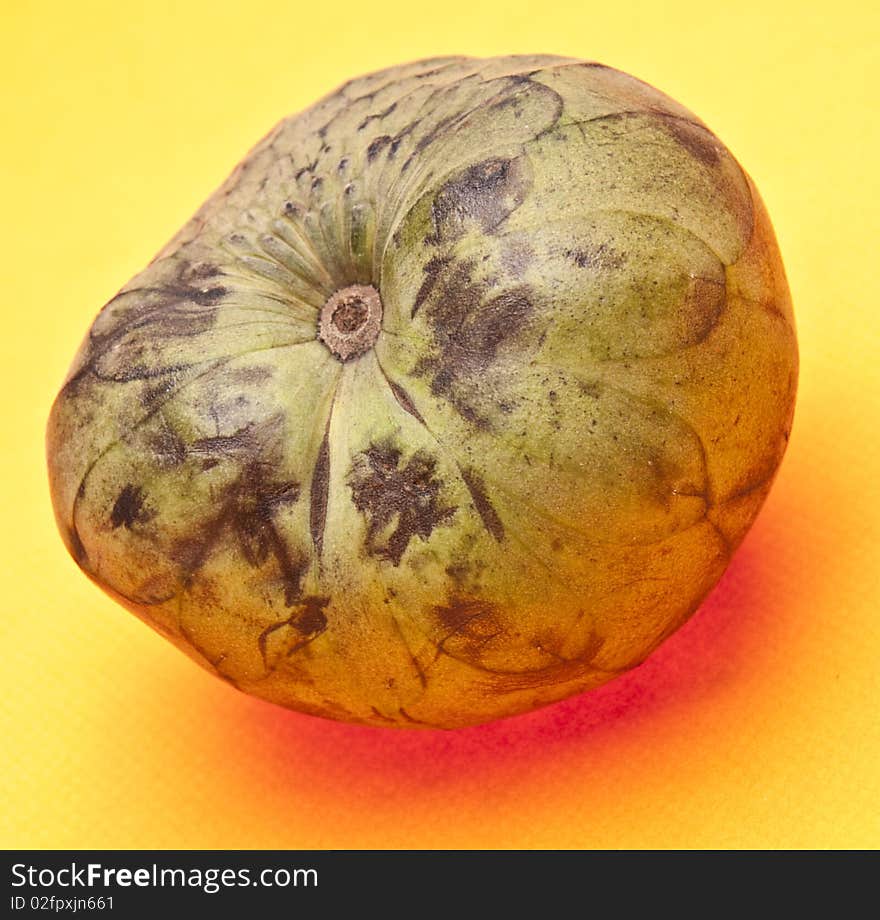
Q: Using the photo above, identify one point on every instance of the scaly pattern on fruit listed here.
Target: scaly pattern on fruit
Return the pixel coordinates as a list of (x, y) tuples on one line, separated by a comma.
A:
[(454, 400)]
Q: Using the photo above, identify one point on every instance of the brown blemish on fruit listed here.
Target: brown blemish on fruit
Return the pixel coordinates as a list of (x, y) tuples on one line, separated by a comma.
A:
[(129, 509), (516, 258), (419, 670), (512, 91), (327, 709), (178, 308), (481, 197), (306, 622), (247, 506), (598, 258), (168, 448), (403, 398), (431, 271), (412, 719), (469, 326), (756, 479), (470, 625), (308, 169), (475, 624), (154, 590), (382, 717), (591, 388), (487, 512), (699, 142), (260, 373), (390, 492), (377, 116), (238, 444), (377, 145), (77, 550), (458, 571), (154, 394), (704, 302), (560, 672), (319, 492), (460, 612)]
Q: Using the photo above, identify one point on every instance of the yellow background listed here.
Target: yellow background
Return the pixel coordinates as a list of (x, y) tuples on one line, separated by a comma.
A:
[(757, 725)]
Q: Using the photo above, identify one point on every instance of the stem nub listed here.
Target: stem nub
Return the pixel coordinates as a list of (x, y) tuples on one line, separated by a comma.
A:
[(350, 321)]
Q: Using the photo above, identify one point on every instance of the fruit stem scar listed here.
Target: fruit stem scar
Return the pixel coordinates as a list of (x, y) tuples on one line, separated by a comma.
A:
[(350, 321)]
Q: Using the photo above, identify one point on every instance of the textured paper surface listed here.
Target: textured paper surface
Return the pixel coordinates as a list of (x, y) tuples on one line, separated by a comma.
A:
[(755, 726)]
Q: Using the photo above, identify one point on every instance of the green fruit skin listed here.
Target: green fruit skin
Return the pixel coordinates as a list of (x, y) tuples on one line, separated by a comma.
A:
[(581, 393)]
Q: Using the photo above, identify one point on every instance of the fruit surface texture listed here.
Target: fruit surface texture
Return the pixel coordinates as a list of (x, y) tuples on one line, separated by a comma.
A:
[(454, 400)]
